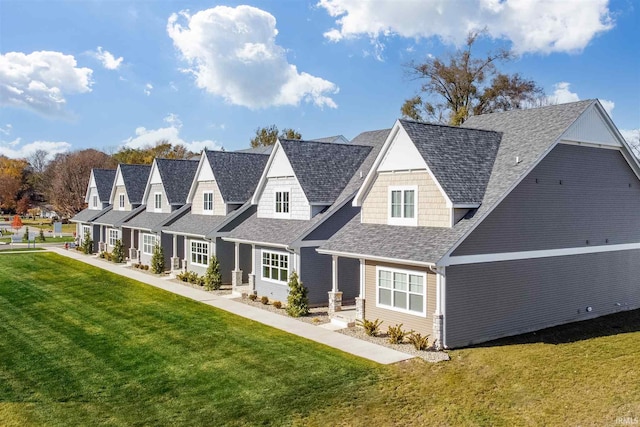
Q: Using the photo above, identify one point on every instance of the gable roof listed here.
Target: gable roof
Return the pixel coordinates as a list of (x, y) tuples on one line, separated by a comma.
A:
[(526, 134), (104, 180), (237, 173), (336, 139), (261, 149), (177, 176), (460, 159), (135, 180), (323, 169)]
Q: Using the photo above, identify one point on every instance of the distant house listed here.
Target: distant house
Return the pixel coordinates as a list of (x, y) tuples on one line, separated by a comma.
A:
[(125, 201), (97, 199), (217, 200), (302, 198), (514, 222), (166, 191)]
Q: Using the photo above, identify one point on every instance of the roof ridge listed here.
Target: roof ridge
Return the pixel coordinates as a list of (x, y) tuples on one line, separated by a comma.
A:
[(448, 126), (333, 144), (237, 152), (544, 107)]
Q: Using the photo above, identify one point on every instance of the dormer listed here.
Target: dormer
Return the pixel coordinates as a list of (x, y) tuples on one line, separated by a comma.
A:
[(224, 181), (168, 184), (128, 186), (97, 195), (303, 178), (427, 175)]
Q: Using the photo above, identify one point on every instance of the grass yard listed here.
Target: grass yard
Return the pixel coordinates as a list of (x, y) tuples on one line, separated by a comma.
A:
[(14, 249), (57, 239), (46, 224), (79, 346)]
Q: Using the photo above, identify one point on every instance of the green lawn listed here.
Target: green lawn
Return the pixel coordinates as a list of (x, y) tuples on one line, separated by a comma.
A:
[(57, 239), (14, 249), (79, 346)]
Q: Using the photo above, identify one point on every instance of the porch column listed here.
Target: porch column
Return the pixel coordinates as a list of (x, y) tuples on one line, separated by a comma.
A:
[(252, 275), (175, 261), (438, 315), (133, 252), (236, 274), (360, 298), (335, 296), (101, 245)]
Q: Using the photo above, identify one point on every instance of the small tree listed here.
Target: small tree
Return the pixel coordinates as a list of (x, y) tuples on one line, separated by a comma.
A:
[(16, 223), (117, 255), (41, 237), (87, 244), (297, 301), (25, 236), (157, 260), (213, 278)]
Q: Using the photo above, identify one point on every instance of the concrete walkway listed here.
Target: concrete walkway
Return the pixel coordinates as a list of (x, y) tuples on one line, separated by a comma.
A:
[(364, 349)]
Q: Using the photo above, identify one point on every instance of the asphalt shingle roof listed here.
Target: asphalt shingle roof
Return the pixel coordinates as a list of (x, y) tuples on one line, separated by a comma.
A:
[(262, 149), (88, 215), (135, 180), (177, 176), (199, 225), (286, 232), (104, 181), (113, 218), (237, 174), (146, 220), (526, 134), (461, 159), (323, 169)]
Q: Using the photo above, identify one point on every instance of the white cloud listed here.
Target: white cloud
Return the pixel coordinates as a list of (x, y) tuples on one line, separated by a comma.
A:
[(108, 60), (562, 95), (147, 89), (15, 150), (148, 137), (543, 26), (6, 129), (232, 53), (40, 81)]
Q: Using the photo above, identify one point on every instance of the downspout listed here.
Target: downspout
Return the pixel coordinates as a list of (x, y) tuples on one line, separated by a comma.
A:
[(439, 331)]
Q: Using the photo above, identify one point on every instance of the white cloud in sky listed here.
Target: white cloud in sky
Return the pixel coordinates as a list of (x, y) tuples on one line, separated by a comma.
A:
[(632, 136), (41, 80), (149, 137), (6, 129), (109, 61), (16, 150), (147, 89), (562, 94), (542, 26), (232, 53)]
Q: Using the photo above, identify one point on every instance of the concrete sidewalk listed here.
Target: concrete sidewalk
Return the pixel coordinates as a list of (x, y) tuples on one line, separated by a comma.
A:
[(324, 336)]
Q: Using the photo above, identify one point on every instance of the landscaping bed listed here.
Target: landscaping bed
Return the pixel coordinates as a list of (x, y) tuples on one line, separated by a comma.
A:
[(317, 315)]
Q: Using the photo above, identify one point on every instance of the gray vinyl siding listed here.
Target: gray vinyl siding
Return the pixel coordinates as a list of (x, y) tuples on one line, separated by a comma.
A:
[(273, 290), (493, 300), (245, 262), (349, 279), (577, 196), (316, 275), (328, 228), (225, 255)]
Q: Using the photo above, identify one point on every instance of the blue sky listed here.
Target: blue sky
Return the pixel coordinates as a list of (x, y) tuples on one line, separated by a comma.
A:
[(103, 74)]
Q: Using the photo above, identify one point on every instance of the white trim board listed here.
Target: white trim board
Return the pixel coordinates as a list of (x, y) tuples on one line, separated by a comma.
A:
[(546, 253)]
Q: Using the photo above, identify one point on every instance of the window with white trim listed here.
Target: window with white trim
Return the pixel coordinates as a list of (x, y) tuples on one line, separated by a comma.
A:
[(121, 197), (157, 201), (282, 202), (401, 290), (199, 252), (95, 201), (402, 205), (275, 266), (114, 234), (86, 231), (207, 202), (148, 243)]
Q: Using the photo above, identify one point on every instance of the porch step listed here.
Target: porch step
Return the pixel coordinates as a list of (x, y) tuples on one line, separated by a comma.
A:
[(345, 318)]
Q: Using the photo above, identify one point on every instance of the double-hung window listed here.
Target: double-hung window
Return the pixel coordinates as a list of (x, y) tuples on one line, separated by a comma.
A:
[(199, 252), (401, 290), (86, 231), (148, 243), (95, 201), (402, 205), (157, 202), (282, 202), (114, 234), (121, 200), (275, 266), (208, 202)]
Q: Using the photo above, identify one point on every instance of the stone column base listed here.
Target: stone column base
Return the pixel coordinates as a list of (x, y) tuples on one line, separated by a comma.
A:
[(252, 282), (102, 246), (175, 263), (438, 331), (236, 279), (359, 308), (335, 302), (133, 255)]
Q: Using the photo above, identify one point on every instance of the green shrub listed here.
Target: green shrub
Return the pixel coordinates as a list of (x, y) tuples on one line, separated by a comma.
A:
[(87, 244), (396, 334), (184, 276), (213, 277), (101, 255), (371, 328), (419, 342), (25, 236), (277, 304), (117, 255), (41, 237), (157, 260), (264, 300), (145, 267), (297, 301), (253, 297)]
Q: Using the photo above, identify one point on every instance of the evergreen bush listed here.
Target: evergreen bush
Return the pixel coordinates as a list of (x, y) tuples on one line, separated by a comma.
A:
[(297, 301), (213, 277), (157, 260), (117, 255), (41, 237), (87, 244), (25, 236)]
